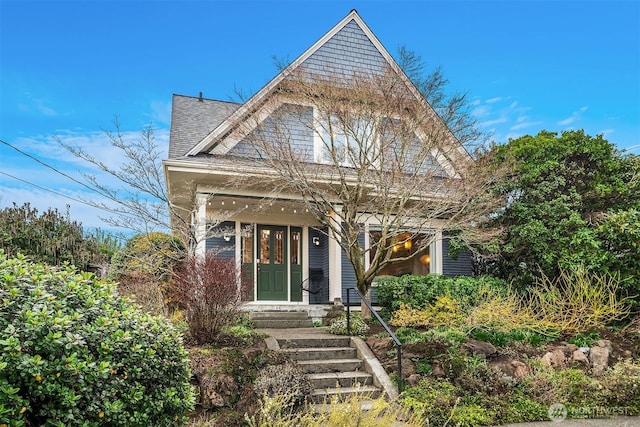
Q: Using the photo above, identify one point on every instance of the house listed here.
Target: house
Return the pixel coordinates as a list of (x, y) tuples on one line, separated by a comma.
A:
[(288, 255)]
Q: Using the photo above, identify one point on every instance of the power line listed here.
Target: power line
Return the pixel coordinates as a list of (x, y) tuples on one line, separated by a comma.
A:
[(57, 193), (50, 167)]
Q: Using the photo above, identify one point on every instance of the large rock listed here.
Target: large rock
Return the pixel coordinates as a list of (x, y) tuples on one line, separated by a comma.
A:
[(599, 358), (514, 368), (480, 348), (554, 359), (580, 357), (379, 346), (438, 370)]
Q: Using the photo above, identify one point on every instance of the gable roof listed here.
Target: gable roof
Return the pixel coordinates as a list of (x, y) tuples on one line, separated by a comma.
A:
[(193, 118), (336, 47)]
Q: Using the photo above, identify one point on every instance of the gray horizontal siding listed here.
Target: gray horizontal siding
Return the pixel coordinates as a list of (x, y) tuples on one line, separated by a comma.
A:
[(289, 124), (348, 52), (220, 246), (461, 266)]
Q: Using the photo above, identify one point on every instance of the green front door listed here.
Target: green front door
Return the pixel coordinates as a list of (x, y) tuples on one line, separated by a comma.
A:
[(272, 263)]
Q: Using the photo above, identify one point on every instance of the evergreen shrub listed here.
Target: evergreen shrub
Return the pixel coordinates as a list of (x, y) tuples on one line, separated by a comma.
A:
[(73, 352)]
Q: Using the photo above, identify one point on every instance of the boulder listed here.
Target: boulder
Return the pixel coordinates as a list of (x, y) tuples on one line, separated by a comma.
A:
[(514, 368), (599, 358), (604, 344), (580, 357), (554, 359), (413, 379), (480, 348), (379, 346), (438, 370)]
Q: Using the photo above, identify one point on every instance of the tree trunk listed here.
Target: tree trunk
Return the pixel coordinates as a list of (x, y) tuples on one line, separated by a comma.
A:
[(366, 313)]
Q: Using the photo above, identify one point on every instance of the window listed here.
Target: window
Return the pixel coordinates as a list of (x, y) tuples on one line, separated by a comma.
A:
[(347, 141), (278, 247), (406, 245), (247, 249), (295, 248), (265, 237)]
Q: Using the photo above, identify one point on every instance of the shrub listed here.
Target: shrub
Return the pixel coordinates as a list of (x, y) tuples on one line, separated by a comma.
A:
[(145, 291), (419, 291), (287, 381), (431, 400), (579, 300), (445, 311), (359, 327), (152, 254), (347, 412), (73, 352), (622, 386), (207, 291)]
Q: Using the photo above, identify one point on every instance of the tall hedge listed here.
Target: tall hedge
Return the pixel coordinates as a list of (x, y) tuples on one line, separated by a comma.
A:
[(73, 352)]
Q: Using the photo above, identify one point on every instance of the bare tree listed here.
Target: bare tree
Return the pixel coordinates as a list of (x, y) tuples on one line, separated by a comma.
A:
[(142, 203), (382, 160)]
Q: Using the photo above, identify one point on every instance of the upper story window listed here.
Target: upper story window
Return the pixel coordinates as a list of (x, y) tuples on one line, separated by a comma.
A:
[(350, 141)]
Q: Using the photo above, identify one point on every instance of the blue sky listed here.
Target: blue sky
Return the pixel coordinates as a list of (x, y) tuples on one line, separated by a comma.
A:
[(66, 68)]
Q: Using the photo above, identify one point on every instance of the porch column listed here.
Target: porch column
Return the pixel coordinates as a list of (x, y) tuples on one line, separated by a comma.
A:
[(436, 257), (335, 265), (200, 224)]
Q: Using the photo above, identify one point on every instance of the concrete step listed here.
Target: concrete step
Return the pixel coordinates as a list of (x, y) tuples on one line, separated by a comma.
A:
[(278, 314), (280, 319), (340, 379), (330, 365), (282, 323), (314, 353), (343, 393), (314, 342)]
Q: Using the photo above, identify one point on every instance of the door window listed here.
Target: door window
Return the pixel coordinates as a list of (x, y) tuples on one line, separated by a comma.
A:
[(265, 237)]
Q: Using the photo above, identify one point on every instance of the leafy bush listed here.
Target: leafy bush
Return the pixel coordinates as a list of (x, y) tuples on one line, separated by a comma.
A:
[(287, 381), (73, 352), (359, 327), (622, 386), (431, 400), (207, 291), (445, 311), (419, 291)]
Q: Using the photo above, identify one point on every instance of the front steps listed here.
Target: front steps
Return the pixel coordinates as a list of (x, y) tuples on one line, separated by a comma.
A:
[(280, 319), (333, 364)]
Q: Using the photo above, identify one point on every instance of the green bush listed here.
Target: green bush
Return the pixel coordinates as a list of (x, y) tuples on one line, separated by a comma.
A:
[(357, 324), (418, 292), (73, 352)]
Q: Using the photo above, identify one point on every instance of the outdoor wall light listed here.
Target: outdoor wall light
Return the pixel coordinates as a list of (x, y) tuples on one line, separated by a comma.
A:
[(226, 237), (316, 240)]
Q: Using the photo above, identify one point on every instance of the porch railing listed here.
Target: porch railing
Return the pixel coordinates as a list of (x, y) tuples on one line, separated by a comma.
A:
[(384, 325)]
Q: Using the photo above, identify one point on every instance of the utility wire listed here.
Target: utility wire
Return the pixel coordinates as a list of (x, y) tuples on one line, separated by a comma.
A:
[(50, 167), (43, 188), (92, 189), (57, 193)]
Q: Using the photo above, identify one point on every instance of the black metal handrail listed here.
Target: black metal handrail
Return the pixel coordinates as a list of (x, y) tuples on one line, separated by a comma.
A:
[(386, 328)]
